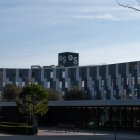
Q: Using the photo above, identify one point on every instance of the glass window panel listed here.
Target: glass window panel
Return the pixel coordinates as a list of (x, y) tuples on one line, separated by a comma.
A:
[(48, 84), (63, 74), (51, 74), (83, 83), (138, 80), (16, 83), (133, 80), (4, 84), (60, 84), (66, 84), (127, 81), (23, 84), (102, 84)]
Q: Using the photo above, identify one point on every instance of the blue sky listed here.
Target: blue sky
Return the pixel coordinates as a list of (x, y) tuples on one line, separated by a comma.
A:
[(33, 32)]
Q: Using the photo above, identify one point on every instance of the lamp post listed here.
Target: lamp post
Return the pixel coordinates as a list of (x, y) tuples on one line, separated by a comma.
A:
[(33, 114), (115, 126), (115, 129)]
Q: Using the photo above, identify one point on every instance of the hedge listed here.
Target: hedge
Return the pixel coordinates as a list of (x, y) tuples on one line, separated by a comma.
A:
[(18, 128)]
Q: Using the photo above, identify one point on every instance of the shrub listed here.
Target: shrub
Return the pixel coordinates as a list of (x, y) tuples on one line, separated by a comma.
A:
[(18, 128), (11, 92), (76, 94), (53, 95)]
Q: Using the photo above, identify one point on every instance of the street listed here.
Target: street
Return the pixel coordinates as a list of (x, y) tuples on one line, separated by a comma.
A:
[(62, 135)]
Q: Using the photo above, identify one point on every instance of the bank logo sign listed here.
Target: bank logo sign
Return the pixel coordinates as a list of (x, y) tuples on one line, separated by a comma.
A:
[(68, 59)]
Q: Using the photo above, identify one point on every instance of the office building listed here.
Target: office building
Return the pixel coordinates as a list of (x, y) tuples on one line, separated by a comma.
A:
[(113, 90)]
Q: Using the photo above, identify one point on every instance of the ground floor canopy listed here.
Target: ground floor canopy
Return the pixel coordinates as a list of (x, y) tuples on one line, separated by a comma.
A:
[(84, 115)]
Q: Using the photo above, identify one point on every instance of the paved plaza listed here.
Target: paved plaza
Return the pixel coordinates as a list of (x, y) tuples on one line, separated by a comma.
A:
[(44, 134)]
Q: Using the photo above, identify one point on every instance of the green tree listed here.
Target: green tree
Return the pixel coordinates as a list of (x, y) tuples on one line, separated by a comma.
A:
[(32, 101), (76, 94), (10, 92), (53, 95)]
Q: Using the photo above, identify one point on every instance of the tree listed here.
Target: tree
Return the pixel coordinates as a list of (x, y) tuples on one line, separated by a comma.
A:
[(76, 94), (53, 95), (130, 6), (11, 92), (32, 101)]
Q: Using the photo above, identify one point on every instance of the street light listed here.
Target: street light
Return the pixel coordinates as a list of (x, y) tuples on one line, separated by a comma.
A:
[(115, 129), (115, 125)]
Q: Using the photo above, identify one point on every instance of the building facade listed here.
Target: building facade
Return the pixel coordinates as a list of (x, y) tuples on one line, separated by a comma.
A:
[(105, 82), (114, 91)]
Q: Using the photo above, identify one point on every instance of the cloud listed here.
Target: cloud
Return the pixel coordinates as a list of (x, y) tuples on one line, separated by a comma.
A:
[(106, 16), (34, 12), (38, 24)]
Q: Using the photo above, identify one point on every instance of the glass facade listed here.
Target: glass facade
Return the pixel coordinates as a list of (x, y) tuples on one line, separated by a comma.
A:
[(105, 82), (102, 117), (115, 82)]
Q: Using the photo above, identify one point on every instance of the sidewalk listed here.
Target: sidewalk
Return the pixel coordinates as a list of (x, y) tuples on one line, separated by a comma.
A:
[(44, 134)]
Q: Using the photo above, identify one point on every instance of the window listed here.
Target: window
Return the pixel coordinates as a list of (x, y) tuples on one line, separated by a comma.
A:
[(23, 84), (133, 80), (95, 93), (88, 83), (93, 83), (33, 74), (1, 72), (135, 92), (60, 84), (135, 67), (116, 81), (104, 94), (112, 82), (66, 84), (63, 92), (63, 74), (13, 74), (114, 93), (120, 92), (102, 83), (20, 75), (127, 81), (124, 92), (17, 84), (138, 80), (4, 84), (51, 74), (122, 81), (48, 84), (83, 84)]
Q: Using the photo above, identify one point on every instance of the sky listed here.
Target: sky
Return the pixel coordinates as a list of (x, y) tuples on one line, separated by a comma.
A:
[(33, 32)]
